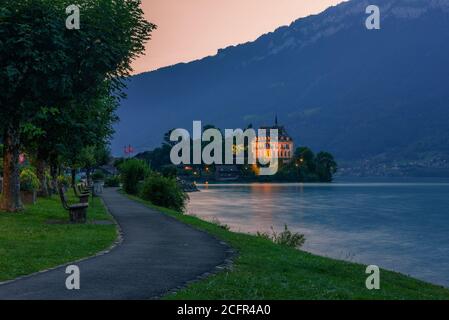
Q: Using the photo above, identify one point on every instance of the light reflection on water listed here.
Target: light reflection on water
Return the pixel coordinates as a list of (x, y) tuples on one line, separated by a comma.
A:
[(399, 226)]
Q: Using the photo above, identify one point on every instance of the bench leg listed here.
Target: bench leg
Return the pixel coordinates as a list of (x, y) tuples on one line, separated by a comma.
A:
[(84, 199), (78, 215)]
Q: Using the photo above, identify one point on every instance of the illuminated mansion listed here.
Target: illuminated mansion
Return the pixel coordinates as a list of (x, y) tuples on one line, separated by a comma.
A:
[(262, 146)]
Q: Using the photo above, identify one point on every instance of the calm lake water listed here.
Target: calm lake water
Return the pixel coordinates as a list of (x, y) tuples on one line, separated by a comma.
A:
[(398, 226)]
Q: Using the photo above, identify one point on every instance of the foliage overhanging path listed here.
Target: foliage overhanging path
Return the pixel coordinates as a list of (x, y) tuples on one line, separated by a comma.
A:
[(157, 255)]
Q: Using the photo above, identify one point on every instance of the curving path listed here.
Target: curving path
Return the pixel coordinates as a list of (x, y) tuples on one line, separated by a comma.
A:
[(158, 254)]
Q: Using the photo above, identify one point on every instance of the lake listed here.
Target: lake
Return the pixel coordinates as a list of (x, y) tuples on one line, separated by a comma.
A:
[(401, 226)]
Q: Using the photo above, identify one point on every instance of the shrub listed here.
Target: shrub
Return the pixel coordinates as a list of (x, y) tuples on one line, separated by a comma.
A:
[(132, 171), (48, 177), (98, 175), (164, 192), (169, 171), (264, 235), (285, 238), (218, 223), (64, 181), (28, 180), (112, 182)]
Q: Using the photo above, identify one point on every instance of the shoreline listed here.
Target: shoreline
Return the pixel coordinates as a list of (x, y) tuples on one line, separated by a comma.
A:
[(304, 275), (330, 184), (372, 223), (328, 256)]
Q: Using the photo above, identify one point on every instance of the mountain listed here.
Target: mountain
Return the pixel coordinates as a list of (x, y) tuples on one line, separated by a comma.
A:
[(368, 96)]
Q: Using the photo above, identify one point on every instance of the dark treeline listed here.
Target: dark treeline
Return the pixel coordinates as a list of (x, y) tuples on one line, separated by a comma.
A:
[(304, 166)]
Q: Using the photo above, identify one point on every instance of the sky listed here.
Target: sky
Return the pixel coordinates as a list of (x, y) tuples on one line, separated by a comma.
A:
[(192, 29)]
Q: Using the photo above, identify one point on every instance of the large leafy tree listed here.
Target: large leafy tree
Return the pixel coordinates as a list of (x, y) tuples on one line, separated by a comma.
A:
[(43, 65), (60, 137), (31, 56), (326, 166), (89, 135)]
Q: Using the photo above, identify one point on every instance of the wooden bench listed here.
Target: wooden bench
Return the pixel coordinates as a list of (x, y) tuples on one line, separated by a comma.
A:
[(77, 212), (83, 195), (84, 188)]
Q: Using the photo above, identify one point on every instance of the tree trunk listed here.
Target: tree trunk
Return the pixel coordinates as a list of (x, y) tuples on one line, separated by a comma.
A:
[(40, 170), (54, 177), (88, 177), (73, 172), (10, 200)]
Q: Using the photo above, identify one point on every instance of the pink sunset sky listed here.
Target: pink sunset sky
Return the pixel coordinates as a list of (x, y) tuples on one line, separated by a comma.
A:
[(193, 29)]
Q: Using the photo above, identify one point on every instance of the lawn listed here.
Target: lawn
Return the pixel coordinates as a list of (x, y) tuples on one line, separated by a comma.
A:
[(28, 243), (263, 270)]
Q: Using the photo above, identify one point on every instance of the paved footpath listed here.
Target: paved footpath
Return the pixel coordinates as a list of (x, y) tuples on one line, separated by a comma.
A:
[(158, 254)]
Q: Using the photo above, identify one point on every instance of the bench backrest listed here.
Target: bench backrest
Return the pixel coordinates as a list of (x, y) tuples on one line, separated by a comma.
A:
[(76, 189), (63, 198)]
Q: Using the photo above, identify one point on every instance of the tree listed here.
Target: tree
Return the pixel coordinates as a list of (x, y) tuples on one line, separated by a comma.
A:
[(39, 142), (132, 172), (42, 64), (1, 160), (84, 139), (92, 157), (167, 141), (326, 166), (31, 57), (306, 158)]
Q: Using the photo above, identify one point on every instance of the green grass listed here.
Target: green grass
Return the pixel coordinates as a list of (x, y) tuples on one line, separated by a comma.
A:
[(263, 270), (28, 244)]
